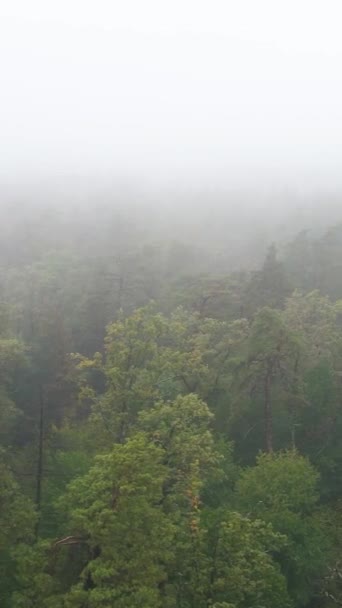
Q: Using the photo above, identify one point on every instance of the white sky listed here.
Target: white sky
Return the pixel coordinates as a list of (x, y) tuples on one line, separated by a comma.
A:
[(168, 89)]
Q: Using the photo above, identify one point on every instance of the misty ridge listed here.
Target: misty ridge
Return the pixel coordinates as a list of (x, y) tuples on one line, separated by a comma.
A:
[(218, 229), (125, 244), (97, 244)]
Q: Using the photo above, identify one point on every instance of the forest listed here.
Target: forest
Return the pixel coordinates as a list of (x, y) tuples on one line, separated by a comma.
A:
[(170, 406)]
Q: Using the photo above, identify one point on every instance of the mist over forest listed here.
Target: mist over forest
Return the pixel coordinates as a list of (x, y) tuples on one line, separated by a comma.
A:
[(229, 228), (170, 396), (170, 304)]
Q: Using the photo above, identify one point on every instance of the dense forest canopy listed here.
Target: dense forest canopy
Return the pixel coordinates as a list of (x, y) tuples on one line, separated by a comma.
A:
[(170, 400), (170, 304)]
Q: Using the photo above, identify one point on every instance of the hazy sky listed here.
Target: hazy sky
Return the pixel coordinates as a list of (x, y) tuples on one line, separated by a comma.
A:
[(171, 89)]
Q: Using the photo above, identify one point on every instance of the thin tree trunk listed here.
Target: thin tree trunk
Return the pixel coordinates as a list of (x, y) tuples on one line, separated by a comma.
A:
[(121, 290), (40, 456), (292, 407), (268, 413)]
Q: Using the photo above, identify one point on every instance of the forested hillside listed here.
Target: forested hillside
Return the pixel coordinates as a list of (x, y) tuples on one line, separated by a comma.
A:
[(170, 406)]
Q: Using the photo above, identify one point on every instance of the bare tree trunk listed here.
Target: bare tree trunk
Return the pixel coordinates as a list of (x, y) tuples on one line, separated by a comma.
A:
[(268, 413), (40, 455), (121, 290)]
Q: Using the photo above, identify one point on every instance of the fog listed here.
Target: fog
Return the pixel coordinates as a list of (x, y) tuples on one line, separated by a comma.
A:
[(170, 303), (190, 93), (216, 124)]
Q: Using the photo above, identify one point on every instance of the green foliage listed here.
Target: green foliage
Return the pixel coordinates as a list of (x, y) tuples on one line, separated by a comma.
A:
[(269, 372), (17, 513), (244, 572), (115, 509), (123, 478), (17, 522), (181, 429), (269, 286), (226, 559), (313, 318), (148, 357), (283, 490)]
